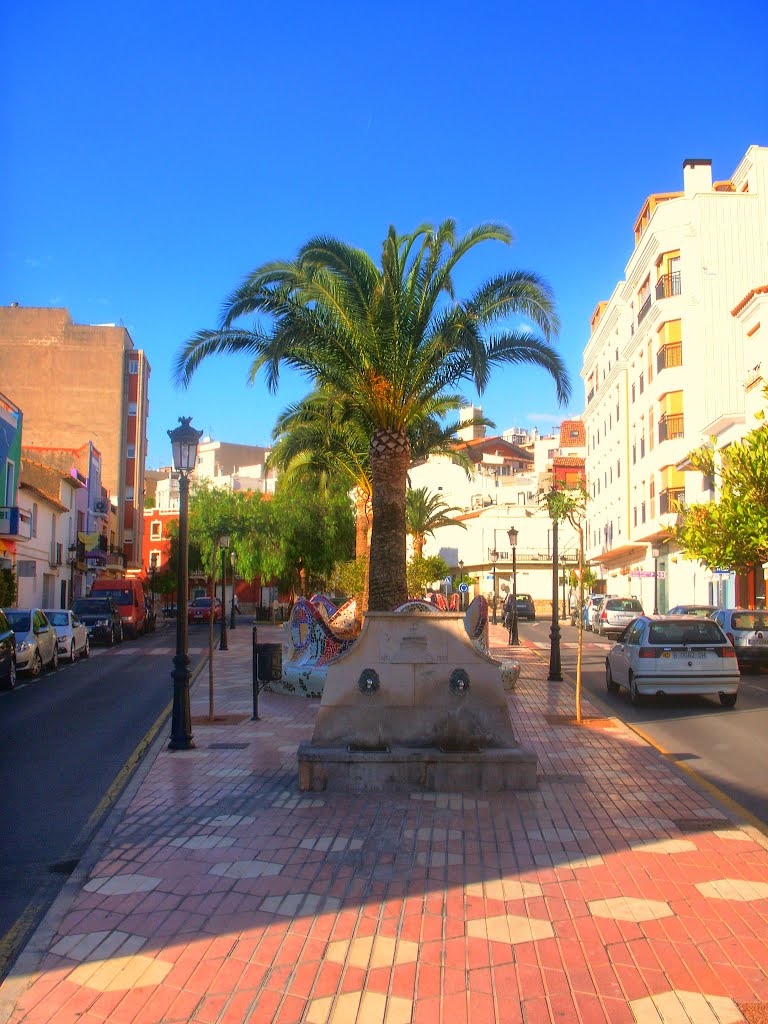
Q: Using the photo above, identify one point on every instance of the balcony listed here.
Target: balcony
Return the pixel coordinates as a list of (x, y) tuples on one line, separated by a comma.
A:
[(670, 499), (643, 311), (15, 522), (671, 426), (668, 285), (669, 355)]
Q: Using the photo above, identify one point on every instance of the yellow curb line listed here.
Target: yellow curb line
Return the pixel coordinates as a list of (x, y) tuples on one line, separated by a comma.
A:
[(710, 787)]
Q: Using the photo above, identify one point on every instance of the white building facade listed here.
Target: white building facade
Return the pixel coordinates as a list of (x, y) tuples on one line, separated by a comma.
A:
[(665, 370)]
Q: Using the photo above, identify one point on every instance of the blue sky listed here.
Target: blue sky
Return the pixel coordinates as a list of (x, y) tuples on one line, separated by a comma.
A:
[(153, 154)]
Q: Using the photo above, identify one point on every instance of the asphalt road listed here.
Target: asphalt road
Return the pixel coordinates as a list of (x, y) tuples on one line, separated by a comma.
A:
[(65, 739), (727, 747)]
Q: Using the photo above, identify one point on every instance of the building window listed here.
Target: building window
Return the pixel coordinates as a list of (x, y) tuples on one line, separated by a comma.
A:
[(634, 454), (633, 391), (131, 408), (154, 559), (634, 515), (642, 447), (130, 451), (34, 519), (642, 383), (156, 530), (129, 494), (133, 366), (618, 468), (642, 513)]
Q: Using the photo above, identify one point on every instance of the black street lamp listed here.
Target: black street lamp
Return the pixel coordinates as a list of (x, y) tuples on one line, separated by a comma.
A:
[(184, 441), (555, 673), (223, 544), (514, 640), (655, 552), (494, 555), (233, 562), (461, 580)]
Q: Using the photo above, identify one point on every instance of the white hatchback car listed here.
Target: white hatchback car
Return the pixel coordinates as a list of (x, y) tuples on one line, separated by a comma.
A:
[(71, 633), (673, 654)]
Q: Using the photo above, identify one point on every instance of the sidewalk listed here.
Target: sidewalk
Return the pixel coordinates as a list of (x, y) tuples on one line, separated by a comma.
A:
[(216, 893)]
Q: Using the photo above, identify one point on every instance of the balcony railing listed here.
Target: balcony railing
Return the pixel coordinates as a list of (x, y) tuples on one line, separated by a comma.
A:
[(15, 522), (641, 313), (671, 426), (670, 499), (668, 285), (669, 355)]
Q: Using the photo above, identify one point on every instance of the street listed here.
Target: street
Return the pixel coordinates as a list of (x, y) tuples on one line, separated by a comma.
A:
[(726, 746), (65, 737)]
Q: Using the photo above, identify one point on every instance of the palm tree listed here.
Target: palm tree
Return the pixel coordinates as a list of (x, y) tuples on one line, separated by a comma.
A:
[(392, 339), (424, 513)]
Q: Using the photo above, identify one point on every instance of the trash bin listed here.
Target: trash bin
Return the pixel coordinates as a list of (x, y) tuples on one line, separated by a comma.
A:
[(268, 662)]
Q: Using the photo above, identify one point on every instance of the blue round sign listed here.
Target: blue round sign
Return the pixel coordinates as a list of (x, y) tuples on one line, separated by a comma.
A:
[(463, 587)]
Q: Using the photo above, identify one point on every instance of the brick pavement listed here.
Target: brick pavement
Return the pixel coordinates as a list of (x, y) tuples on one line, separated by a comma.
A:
[(216, 893)]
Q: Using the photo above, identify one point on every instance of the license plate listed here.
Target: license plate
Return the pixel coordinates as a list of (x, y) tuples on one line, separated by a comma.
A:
[(684, 654)]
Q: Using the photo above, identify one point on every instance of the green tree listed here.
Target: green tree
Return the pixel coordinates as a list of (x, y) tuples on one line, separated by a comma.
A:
[(732, 531), (423, 571), (8, 588), (392, 338), (424, 513)]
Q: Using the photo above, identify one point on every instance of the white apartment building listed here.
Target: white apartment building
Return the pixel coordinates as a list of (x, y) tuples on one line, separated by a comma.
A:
[(665, 369)]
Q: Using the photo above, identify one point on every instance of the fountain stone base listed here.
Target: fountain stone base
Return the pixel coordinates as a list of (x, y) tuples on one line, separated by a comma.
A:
[(414, 704)]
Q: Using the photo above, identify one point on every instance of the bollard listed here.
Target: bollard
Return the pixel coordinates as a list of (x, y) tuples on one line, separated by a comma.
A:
[(267, 667)]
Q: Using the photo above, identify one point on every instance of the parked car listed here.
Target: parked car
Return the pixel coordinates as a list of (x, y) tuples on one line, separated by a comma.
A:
[(705, 610), (36, 644), (199, 610), (102, 617), (747, 630), (7, 654), (128, 595), (592, 609), (71, 633), (615, 614), (169, 612), (526, 609), (673, 654)]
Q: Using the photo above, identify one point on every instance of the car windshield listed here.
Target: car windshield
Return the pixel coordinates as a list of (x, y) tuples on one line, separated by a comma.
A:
[(202, 602), (692, 609), (697, 631), (19, 620), (624, 605), (525, 598), (749, 620), (91, 606), (120, 595), (58, 618)]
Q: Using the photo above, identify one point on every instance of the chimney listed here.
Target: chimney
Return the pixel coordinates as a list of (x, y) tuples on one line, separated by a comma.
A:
[(697, 176)]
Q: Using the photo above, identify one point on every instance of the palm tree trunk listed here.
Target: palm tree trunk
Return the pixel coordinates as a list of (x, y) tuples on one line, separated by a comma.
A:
[(390, 458), (418, 545), (362, 545)]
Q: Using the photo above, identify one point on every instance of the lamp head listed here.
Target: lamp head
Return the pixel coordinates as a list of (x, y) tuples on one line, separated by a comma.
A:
[(184, 442), (494, 555), (512, 534)]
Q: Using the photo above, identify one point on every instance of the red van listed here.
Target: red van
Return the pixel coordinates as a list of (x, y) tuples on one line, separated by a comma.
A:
[(128, 595)]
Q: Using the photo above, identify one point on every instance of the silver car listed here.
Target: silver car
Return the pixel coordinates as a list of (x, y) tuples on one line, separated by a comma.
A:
[(71, 633), (614, 615), (36, 643), (748, 632), (673, 654)]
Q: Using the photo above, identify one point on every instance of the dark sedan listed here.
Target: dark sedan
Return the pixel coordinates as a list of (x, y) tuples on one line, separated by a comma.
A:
[(102, 617)]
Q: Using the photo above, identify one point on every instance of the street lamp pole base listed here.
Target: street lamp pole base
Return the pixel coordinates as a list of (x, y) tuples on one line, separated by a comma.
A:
[(181, 720)]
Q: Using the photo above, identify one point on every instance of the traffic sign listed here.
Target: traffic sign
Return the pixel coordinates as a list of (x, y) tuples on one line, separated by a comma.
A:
[(448, 579), (463, 587)]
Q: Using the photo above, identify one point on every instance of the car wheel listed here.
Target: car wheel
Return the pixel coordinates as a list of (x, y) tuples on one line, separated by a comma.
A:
[(86, 651), (36, 665), (634, 695), (72, 655), (610, 683), (728, 700), (11, 675)]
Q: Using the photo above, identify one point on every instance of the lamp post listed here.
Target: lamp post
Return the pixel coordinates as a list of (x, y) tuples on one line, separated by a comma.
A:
[(494, 558), (655, 552), (223, 544), (555, 673), (184, 441), (233, 562), (514, 640), (461, 580)]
